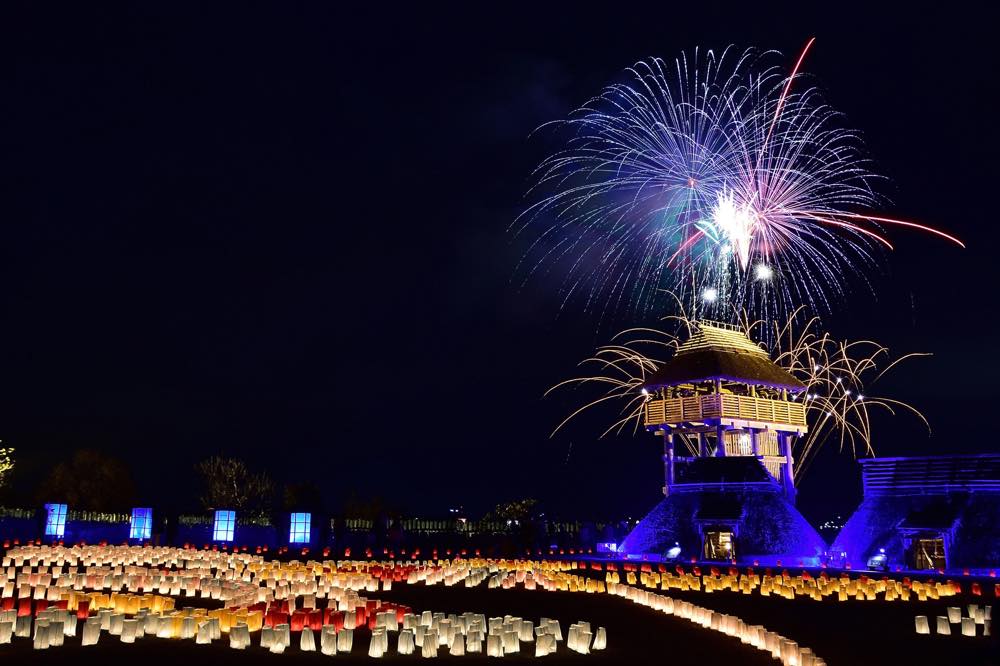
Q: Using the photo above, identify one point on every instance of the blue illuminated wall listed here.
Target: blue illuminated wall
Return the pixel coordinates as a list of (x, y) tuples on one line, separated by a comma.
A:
[(225, 525), (141, 526), (299, 530), (769, 528), (55, 520)]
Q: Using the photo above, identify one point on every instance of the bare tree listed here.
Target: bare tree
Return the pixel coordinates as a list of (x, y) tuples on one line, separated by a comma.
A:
[(230, 484)]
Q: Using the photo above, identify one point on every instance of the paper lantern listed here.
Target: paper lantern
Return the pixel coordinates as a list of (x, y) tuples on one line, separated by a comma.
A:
[(429, 647), (526, 631), (129, 630), (41, 639), (203, 635), (954, 614), (298, 621), (379, 643), (345, 640), (545, 644), (943, 626), (405, 644), (91, 631), (328, 641), (239, 636), (968, 626), (307, 643), (189, 627), (22, 627), (116, 623), (922, 626), (601, 639), (554, 628), (6, 632), (494, 645)]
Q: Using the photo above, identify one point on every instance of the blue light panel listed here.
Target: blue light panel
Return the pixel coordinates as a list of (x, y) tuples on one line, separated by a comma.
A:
[(55, 520), (225, 524), (142, 524), (300, 528)]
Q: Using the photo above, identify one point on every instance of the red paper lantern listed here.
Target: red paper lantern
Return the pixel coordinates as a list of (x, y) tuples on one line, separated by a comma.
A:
[(298, 620)]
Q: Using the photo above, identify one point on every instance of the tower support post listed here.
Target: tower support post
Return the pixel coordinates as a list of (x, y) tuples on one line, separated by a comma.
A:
[(668, 461), (787, 475)]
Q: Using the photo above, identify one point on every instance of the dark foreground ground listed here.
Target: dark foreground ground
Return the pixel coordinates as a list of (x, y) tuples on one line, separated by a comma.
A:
[(843, 633)]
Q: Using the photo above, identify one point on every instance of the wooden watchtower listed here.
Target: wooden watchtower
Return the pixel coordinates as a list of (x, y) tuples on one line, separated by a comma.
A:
[(722, 395)]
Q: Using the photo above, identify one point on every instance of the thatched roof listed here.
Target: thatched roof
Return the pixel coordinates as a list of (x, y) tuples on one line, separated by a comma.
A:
[(715, 352)]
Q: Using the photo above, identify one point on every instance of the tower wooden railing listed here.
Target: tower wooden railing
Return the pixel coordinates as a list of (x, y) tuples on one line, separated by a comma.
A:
[(702, 407)]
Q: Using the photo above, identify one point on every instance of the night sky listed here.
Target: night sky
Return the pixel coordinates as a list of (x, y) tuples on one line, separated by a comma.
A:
[(281, 232)]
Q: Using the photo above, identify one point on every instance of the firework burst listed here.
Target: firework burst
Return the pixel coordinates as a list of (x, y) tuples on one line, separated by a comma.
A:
[(712, 174)]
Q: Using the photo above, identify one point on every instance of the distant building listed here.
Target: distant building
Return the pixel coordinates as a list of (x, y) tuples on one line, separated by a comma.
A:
[(727, 415), (926, 513)]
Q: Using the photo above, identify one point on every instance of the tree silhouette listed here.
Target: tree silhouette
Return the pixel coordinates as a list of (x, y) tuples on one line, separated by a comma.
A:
[(90, 480)]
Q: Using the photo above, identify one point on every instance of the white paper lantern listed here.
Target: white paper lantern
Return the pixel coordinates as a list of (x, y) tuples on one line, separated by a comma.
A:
[(601, 639), (526, 632), (379, 643), (405, 644), (283, 635), (923, 626), (429, 648), (328, 640), (494, 645), (189, 627), (56, 634), (345, 640), (116, 623), (307, 642), (239, 636), (91, 631), (129, 629), (510, 642), (203, 635), (41, 639), (6, 632)]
